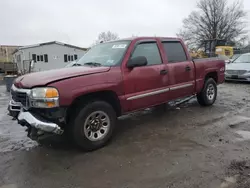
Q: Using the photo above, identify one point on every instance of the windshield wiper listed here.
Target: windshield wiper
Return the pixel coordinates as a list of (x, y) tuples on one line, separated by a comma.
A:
[(93, 64), (76, 64)]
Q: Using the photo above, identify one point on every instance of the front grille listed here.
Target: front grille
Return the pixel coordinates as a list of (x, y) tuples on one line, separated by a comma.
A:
[(236, 72), (19, 97)]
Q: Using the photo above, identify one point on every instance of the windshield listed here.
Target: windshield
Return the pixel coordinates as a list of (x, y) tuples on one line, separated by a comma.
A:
[(105, 54), (245, 58), (235, 56)]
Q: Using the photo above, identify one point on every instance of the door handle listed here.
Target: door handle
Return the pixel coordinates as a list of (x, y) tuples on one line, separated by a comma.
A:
[(188, 68), (163, 72)]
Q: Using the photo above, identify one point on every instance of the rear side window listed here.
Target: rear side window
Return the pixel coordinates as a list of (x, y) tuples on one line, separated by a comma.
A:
[(150, 51), (175, 52)]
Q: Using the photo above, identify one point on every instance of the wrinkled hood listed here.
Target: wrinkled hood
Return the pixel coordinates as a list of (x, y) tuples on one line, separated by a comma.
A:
[(45, 77), (238, 66)]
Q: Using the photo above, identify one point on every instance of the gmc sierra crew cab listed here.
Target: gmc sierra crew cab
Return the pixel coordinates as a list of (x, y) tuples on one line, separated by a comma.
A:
[(111, 79)]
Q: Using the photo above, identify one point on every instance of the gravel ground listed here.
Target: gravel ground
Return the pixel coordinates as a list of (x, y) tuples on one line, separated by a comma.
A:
[(186, 146)]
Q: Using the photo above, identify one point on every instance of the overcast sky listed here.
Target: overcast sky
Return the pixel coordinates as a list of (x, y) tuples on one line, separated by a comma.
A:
[(78, 22)]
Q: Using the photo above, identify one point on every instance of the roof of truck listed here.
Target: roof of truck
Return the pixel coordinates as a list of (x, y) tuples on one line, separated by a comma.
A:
[(142, 38)]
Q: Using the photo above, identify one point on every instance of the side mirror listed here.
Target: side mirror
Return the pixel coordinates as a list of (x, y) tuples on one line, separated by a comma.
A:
[(137, 62)]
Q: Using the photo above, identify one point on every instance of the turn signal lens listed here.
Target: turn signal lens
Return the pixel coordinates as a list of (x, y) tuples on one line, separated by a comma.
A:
[(51, 104), (51, 93)]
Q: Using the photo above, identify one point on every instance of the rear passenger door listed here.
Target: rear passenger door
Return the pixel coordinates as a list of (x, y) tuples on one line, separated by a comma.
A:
[(181, 70)]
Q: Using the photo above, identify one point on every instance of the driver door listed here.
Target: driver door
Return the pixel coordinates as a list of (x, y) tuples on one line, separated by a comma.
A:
[(145, 86)]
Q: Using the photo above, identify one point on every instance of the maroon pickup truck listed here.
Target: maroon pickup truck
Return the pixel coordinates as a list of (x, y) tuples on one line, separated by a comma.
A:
[(111, 79)]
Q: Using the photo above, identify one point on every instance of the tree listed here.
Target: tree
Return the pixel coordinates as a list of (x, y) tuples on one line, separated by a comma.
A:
[(106, 36), (214, 19), (243, 41)]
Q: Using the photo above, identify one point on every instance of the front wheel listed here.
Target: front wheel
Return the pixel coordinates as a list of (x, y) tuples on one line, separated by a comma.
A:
[(208, 94), (93, 125)]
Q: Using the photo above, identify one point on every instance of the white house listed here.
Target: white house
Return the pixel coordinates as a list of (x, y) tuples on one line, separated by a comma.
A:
[(46, 56)]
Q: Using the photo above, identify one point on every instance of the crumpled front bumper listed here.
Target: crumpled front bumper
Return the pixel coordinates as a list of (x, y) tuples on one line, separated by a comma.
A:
[(26, 118)]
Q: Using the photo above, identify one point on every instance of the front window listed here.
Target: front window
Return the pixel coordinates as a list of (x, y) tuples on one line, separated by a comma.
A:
[(245, 58), (105, 54), (150, 51)]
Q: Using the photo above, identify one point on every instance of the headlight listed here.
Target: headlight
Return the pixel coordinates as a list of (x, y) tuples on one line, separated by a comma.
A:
[(46, 97)]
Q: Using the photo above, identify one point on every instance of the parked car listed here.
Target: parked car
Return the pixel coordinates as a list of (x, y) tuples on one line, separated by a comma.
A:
[(239, 69), (225, 58), (234, 57), (114, 78)]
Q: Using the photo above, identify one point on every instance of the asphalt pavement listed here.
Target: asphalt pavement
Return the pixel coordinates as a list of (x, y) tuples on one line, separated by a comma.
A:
[(184, 146)]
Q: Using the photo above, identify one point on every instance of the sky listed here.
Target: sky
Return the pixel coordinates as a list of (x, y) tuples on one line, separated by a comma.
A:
[(78, 22)]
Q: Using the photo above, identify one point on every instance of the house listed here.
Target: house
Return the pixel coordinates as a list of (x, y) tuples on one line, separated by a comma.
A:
[(46, 56)]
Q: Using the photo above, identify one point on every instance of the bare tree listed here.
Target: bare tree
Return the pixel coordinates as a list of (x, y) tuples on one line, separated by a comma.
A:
[(106, 36), (243, 41), (214, 19)]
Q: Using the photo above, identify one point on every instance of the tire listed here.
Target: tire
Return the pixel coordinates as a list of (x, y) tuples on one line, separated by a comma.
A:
[(208, 94), (87, 126)]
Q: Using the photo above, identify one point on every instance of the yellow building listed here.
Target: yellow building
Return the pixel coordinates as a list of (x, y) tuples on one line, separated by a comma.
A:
[(225, 50)]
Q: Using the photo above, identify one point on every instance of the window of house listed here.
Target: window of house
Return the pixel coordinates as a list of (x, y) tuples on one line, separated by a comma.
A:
[(65, 58), (75, 57), (38, 58), (68, 57), (71, 57), (34, 57), (174, 51), (150, 51), (46, 58), (41, 57)]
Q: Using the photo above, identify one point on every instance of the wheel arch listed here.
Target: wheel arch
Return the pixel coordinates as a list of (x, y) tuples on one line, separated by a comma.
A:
[(108, 96), (213, 75)]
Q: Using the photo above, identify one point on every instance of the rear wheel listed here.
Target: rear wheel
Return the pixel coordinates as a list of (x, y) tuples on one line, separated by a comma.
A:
[(93, 125), (208, 94)]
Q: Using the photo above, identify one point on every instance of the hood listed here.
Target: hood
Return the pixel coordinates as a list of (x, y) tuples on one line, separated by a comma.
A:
[(45, 77), (238, 66)]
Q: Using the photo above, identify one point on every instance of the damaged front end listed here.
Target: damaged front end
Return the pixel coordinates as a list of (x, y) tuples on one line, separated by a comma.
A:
[(38, 110)]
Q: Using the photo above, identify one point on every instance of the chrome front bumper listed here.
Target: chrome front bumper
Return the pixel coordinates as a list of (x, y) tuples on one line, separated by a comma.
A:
[(14, 106), (26, 118), (38, 124), (244, 77)]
